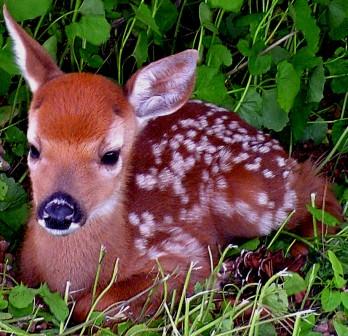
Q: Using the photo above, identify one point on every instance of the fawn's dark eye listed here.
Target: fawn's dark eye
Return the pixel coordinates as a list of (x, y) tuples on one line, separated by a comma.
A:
[(110, 158), (34, 152)]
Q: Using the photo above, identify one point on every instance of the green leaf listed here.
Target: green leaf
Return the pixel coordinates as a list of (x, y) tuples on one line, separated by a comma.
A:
[(140, 52), (94, 29), (341, 329), (12, 220), (244, 47), (330, 299), (266, 329), (227, 5), (344, 299), (323, 216), (51, 46), (279, 54), (294, 284), (276, 299), (4, 85), (273, 117), (143, 14), (27, 9), (315, 131), (205, 17), (7, 316), (92, 7), (305, 59), (306, 23), (210, 85), (316, 85), (339, 69), (337, 269), (21, 296), (3, 303), (3, 190), (166, 15), (259, 64), (337, 132), (7, 61), (338, 12), (250, 109), (15, 194), (219, 55), (55, 302), (288, 85)]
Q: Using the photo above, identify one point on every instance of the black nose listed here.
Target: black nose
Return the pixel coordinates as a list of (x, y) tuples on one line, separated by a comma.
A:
[(59, 211)]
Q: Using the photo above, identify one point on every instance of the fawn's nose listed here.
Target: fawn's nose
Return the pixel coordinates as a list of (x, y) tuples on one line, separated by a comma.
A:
[(60, 214)]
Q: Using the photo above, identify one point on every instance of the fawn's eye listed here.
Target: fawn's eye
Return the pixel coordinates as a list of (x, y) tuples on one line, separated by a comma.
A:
[(34, 153), (110, 158)]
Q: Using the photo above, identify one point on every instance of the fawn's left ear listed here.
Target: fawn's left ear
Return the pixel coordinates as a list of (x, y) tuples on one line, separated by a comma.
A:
[(162, 87), (36, 65)]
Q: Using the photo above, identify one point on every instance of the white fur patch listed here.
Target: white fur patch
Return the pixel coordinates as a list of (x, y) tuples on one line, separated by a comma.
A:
[(21, 55)]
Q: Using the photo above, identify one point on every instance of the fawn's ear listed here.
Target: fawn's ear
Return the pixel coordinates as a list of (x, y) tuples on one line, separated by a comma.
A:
[(164, 86), (36, 65)]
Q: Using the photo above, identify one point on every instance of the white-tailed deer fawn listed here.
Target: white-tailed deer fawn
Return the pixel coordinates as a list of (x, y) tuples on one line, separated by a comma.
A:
[(146, 173)]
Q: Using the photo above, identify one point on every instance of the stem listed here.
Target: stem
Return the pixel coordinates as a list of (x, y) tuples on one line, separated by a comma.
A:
[(178, 25)]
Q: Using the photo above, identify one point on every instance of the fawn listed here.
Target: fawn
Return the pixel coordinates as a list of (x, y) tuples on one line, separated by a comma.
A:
[(146, 173)]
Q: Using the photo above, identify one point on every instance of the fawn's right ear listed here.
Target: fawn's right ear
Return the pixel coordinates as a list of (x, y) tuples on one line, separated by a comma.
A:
[(36, 65)]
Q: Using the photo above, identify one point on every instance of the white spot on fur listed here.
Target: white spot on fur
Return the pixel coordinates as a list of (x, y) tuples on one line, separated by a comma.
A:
[(146, 181), (262, 198), (255, 166), (280, 161), (147, 225), (268, 174), (134, 219)]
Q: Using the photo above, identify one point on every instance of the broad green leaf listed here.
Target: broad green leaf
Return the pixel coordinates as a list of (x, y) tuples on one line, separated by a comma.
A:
[(210, 85), (250, 109), (337, 269), (92, 7), (205, 17), (95, 29), (3, 303), (244, 47), (27, 9), (259, 64), (7, 61), (7, 316), (21, 296), (3, 190), (273, 117), (315, 131), (143, 14), (340, 328), (305, 59), (266, 329), (276, 299), (12, 220), (344, 299), (338, 12), (166, 15), (323, 216), (339, 68), (305, 22), (55, 302), (51, 46), (15, 195), (330, 299), (219, 55), (294, 284), (4, 85), (227, 5), (140, 52), (337, 132), (288, 85), (279, 54), (140, 329), (316, 85)]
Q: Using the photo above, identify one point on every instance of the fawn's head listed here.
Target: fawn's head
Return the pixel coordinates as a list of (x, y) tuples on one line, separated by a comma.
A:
[(82, 127)]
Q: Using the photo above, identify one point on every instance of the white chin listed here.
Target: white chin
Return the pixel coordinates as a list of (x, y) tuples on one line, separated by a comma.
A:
[(72, 228)]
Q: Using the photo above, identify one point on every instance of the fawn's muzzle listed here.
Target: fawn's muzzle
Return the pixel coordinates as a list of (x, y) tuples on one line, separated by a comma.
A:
[(60, 214)]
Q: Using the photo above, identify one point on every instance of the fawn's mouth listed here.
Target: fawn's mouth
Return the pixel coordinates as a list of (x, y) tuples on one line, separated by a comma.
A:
[(60, 214)]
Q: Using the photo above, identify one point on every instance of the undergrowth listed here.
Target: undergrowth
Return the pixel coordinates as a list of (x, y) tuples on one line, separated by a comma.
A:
[(281, 64)]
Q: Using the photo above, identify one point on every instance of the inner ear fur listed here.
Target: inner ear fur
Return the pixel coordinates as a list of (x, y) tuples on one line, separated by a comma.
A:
[(162, 87)]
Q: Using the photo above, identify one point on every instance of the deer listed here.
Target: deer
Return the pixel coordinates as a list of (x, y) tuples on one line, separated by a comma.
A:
[(152, 176)]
